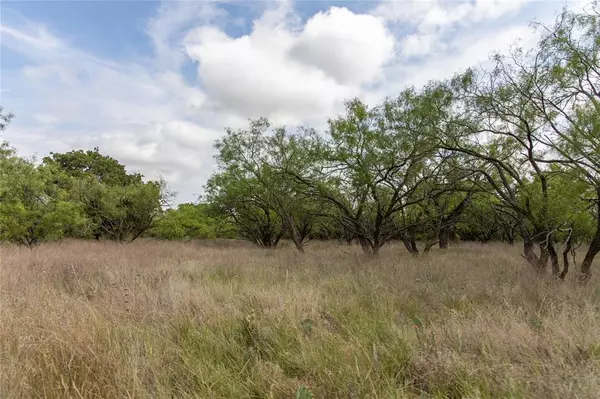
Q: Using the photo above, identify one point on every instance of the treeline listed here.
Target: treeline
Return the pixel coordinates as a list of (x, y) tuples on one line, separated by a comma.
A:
[(499, 154), (510, 153)]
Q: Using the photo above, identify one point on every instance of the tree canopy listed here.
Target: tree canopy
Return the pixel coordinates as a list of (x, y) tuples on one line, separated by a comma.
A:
[(505, 153)]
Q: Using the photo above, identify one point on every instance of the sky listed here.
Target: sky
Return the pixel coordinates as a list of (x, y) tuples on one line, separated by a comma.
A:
[(154, 84)]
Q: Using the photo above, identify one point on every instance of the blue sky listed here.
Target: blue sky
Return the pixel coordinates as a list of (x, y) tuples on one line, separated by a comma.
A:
[(155, 83)]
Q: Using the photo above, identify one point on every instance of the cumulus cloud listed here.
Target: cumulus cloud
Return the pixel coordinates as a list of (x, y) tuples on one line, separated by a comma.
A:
[(351, 48), (251, 76), (289, 75), (292, 69)]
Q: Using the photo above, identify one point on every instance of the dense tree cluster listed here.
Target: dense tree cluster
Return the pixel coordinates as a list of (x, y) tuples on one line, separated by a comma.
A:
[(77, 194), (508, 153)]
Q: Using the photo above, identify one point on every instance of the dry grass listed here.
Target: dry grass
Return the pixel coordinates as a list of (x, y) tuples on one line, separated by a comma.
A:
[(182, 320)]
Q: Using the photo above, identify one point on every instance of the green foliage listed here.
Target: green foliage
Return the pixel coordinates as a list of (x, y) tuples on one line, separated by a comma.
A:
[(241, 202), (191, 221), (254, 185), (5, 119), (84, 164), (375, 165), (120, 206), (485, 220), (30, 213), (500, 154), (303, 393), (118, 212)]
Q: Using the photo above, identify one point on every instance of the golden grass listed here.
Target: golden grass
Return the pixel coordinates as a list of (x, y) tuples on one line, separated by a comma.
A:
[(183, 320)]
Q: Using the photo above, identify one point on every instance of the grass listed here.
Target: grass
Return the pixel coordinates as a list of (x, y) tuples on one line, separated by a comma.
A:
[(191, 320)]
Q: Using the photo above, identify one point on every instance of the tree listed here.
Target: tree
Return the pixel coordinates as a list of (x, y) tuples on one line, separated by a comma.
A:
[(254, 185), (485, 220), (119, 205), (192, 221), (565, 71), (242, 202), (103, 168), (498, 126), (5, 119), (538, 109), (447, 196), (32, 212), (121, 213), (371, 167)]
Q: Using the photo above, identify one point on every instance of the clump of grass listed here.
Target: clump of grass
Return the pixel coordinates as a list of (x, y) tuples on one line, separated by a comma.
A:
[(169, 319)]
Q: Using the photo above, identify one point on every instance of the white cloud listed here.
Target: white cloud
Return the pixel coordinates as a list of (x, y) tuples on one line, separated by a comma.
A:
[(173, 19), (348, 47), (418, 44), (40, 39), (291, 70), (438, 13), (466, 51), (289, 75), (433, 20)]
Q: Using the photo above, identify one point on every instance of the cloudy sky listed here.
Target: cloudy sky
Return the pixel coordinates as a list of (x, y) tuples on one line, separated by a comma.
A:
[(154, 84)]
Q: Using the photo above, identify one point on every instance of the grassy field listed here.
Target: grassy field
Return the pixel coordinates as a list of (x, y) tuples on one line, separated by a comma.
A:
[(183, 320)]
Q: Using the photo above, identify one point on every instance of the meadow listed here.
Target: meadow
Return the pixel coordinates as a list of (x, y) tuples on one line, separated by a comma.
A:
[(152, 319)]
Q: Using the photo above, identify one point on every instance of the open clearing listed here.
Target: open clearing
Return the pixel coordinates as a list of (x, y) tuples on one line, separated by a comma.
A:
[(206, 320)]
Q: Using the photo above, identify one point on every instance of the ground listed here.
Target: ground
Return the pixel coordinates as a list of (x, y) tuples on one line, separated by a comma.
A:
[(225, 320)]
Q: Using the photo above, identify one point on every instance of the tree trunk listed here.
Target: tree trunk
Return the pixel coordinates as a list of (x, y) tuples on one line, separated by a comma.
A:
[(594, 248), (568, 247), (298, 241), (443, 238), (410, 245), (277, 240), (296, 237), (544, 256), (553, 258), (586, 265), (528, 251), (375, 250), (365, 245)]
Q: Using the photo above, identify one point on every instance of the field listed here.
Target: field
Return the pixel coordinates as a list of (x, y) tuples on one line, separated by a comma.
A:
[(222, 320)]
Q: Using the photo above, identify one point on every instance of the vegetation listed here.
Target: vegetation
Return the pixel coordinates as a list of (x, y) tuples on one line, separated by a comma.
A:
[(398, 307), (505, 153), (509, 153), (192, 320)]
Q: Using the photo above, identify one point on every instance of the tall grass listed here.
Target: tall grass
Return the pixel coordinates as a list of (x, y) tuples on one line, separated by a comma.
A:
[(187, 320)]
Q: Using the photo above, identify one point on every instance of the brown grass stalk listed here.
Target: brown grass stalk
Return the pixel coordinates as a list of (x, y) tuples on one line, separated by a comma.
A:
[(201, 320)]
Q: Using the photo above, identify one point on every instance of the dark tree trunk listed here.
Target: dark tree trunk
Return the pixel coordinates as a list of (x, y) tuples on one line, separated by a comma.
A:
[(544, 256), (443, 238), (375, 250), (365, 245), (411, 245), (296, 234), (450, 220), (568, 247), (528, 251), (553, 258), (586, 265), (298, 241), (593, 250)]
